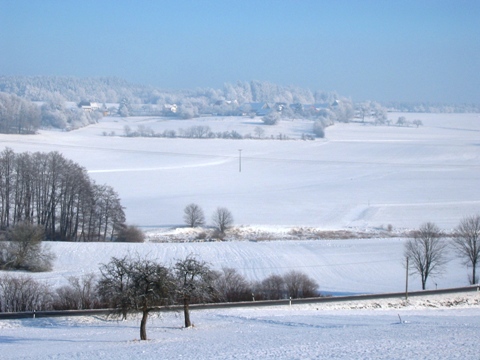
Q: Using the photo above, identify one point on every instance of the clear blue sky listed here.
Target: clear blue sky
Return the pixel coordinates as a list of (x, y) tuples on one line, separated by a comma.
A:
[(405, 50)]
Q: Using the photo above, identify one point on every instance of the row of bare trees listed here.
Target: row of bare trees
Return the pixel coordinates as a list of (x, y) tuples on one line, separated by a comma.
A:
[(48, 190), (427, 250), (133, 284)]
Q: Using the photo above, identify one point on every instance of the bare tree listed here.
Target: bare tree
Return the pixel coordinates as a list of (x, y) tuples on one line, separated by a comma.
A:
[(136, 285), (417, 122), (79, 294), (426, 252), (299, 285), (194, 283), (231, 286), (222, 219), (193, 215), (259, 132), (467, 243), (23, 293), (273, 287)]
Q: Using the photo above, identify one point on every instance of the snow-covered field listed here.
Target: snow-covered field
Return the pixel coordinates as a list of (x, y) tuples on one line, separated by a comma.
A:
[(423, 329), (359, 178), (356, 266)]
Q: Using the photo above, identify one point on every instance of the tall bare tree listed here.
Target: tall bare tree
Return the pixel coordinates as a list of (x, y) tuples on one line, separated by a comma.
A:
[(426, 252), (467, 243), (55, 193)]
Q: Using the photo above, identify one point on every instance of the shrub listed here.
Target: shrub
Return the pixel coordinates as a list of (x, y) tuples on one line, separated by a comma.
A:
[(131, 233), (24, 250)]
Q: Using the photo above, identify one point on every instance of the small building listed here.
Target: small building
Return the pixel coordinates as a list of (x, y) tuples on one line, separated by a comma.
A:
[(89, 106)]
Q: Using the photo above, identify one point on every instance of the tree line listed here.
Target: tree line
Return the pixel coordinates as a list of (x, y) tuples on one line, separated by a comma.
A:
[(56, 194), (140, 285), (17, 115)]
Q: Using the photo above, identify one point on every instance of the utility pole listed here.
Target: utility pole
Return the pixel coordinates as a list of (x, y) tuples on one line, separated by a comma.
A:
[(239, 160), (406, 282)]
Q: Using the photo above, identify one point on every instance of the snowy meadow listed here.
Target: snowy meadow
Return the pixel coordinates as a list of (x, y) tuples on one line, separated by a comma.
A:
[(360, 178)]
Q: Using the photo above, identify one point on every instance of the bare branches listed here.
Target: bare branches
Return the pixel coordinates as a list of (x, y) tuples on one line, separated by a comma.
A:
[(194, 279), (426, 252), (135, 285), (193, 215), (222, 219), (467, 243), (55, 193)]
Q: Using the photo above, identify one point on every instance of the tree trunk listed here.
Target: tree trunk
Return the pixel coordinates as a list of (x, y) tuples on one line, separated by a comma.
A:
[(186, 311), (474, 273), (143, 325)]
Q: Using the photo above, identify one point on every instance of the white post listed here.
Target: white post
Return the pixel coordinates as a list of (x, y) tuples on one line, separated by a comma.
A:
[(239, 160)]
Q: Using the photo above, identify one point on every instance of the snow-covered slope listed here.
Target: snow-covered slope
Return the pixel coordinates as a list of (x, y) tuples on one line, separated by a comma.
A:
[(358, 176), (414, 331)]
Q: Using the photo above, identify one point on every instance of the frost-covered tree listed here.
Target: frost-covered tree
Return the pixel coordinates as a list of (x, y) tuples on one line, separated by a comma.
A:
[(272, 118), (17, 115)]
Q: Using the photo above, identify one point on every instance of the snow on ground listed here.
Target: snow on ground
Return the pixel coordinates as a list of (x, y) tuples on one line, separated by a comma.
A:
[(360, 176), (412, 331), (357, 266)]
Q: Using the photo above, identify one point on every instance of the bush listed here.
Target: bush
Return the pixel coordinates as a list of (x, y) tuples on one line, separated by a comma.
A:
[(24, 250), (271, 119), (231, 286), (299, 285), (131, 233)]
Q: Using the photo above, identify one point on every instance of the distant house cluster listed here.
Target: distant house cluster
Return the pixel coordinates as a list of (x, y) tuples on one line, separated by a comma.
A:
[(218, 108)]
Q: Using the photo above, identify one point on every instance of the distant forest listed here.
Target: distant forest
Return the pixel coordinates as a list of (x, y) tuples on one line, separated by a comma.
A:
[(55, 95)]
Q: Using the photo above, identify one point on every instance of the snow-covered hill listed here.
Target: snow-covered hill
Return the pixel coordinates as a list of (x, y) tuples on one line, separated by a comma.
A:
[(361, 176)]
